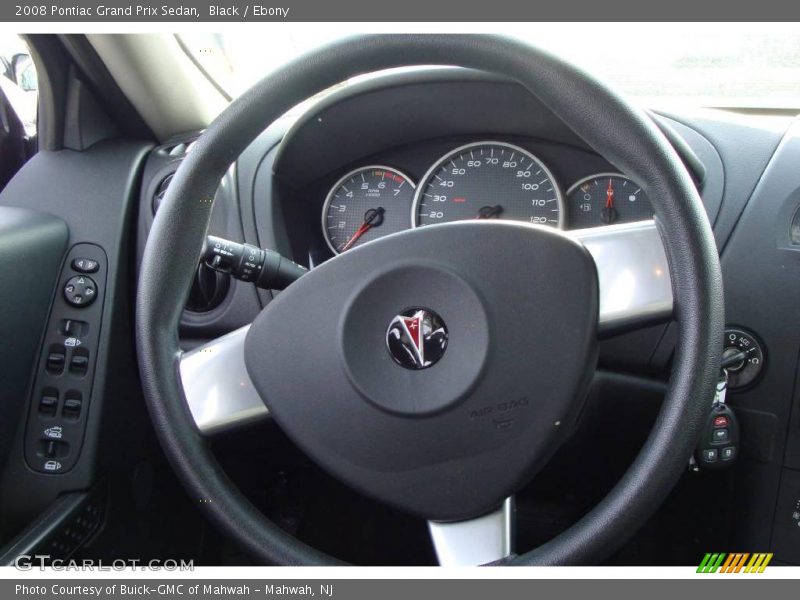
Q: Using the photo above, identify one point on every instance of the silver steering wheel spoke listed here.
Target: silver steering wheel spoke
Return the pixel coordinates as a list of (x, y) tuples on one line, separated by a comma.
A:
[(632, 271), (217, 387), (477, 541), (635, 289)]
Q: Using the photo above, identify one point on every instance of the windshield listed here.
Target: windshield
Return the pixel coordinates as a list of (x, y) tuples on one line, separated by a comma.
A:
[(747, 65)]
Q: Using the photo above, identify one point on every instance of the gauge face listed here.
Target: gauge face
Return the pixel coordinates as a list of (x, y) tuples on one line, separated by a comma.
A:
[(605, 199), (488, 180), (364, 205)]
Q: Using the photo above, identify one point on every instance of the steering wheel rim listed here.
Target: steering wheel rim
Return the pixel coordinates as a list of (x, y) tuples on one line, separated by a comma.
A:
[(620, 132)]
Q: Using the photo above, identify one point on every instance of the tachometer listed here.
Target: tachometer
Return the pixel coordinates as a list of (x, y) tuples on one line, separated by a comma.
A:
[(605, 199), (488, 180), (366, 204)]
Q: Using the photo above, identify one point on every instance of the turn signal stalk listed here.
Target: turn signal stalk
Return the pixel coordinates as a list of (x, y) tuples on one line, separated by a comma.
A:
[(265, 268)]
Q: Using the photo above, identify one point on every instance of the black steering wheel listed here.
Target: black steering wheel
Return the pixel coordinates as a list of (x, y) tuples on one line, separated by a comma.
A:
[(506, 314)]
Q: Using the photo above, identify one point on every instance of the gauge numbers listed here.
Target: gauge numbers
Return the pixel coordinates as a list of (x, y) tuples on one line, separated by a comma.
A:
[(364, 205), (606, 199), (488, 180)]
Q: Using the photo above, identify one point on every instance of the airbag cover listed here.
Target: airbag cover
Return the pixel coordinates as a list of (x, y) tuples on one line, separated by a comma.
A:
[(449, 441)]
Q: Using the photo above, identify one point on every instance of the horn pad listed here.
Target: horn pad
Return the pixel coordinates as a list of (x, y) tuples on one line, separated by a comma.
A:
[(436, 369)]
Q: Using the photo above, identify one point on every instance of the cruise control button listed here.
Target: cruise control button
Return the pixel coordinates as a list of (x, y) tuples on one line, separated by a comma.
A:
[(80, 291), (85, 265)]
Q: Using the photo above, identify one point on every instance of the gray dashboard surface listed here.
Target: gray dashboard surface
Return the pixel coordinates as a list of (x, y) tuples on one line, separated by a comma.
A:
[(31, 246), (93, 193)]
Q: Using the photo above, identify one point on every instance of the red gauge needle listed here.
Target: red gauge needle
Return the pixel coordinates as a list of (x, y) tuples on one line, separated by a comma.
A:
[(609, 213), (610, 195), (372, 218)]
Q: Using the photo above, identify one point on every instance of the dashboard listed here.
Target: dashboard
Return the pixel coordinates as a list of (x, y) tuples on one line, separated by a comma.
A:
[(407, 150), (482, 179), (438, 132), (408, 131), (496, 175), (371, 158)]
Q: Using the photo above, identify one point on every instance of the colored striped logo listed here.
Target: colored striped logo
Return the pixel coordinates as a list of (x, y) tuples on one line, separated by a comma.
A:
[(735, 562)]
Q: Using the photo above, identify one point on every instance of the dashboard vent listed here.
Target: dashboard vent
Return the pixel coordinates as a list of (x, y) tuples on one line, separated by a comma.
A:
[(209, 287), (158, 196), (179, 149)]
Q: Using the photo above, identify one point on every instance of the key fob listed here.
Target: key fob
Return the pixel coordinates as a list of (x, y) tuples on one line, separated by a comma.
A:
[(719, 440)]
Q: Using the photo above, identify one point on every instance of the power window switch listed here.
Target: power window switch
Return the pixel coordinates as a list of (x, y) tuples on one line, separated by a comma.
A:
[(72, 408), (48, 404), (55, 362), (79, 364)]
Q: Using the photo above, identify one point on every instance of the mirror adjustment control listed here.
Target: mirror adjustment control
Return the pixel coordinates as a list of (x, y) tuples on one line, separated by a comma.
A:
[(80, 291), (61, 394), (85, 265)]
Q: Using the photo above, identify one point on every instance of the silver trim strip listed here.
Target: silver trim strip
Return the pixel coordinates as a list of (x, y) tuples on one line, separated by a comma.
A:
[(633, 273), (475, 541), (218, 389), (635, 287)]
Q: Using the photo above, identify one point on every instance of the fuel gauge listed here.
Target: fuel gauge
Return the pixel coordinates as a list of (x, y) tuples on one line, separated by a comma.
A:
[(606, 199)]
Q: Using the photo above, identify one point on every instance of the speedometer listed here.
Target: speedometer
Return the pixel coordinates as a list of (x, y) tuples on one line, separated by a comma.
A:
[(488, 180)]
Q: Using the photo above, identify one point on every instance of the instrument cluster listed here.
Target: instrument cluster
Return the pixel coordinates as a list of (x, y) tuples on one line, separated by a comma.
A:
[(480, 180)]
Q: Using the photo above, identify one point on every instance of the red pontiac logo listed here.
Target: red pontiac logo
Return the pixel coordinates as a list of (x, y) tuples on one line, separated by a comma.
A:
[(416, 338)]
